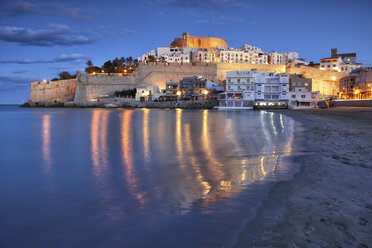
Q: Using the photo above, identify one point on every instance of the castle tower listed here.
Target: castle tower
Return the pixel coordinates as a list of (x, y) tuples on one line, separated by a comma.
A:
[(186, 36), (334, 52)]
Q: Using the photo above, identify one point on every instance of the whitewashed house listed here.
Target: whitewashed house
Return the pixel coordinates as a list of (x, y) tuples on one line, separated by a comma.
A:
[(147, 93), (248, 89), (301, 98)]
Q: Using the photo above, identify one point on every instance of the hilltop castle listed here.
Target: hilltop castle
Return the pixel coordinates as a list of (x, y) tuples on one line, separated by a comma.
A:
[(198, 42)]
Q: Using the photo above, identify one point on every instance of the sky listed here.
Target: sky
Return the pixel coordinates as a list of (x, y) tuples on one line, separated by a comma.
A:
[(40, 39)]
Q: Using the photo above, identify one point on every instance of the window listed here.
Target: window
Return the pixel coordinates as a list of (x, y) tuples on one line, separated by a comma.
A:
[(275, 88), (303, 96), (293, 96), (238, 81)]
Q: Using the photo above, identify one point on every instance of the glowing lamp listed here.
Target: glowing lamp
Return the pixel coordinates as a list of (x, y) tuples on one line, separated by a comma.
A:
[(178, 93), (333, 78)]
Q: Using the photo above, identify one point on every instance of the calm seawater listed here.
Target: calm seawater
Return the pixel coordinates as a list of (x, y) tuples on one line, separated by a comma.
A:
[(136, 177)]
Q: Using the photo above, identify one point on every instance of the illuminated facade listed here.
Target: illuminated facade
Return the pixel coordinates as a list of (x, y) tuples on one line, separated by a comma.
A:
[(234, 55), (344, 62), (266, 89), (357, 85), (198, 42), (147, 93), (206, 55)]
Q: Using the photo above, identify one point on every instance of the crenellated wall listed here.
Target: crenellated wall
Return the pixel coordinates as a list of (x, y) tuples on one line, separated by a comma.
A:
[(90, 87), (60, 91)]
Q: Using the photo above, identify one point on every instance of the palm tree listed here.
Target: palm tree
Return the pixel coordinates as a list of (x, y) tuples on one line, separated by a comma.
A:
[(65, 75), (151, 58), (108, 66), (129, 60), (89, 63)]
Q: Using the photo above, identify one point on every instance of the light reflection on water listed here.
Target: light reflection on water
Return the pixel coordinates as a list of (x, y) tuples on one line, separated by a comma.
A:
[(204, 162), (46, 142), (141, 177)]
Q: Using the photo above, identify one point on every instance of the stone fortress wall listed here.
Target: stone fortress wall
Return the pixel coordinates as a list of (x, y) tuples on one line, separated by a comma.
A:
[(159, 74), (222, 68), (62, 90), (89, 87), (326, 82)]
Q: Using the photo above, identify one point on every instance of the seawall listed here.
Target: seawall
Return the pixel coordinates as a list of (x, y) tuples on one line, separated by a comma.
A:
[(91, 87), (326, 82), (351, 103), (159, 74), (60, 91)]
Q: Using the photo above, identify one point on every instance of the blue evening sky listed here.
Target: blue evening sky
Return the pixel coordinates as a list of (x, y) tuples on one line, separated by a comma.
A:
[(39, 39)]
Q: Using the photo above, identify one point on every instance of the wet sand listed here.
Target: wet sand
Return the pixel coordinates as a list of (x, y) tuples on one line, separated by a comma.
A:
[(329, 202)]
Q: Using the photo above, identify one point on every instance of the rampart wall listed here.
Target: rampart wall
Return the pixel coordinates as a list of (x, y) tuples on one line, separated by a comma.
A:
[(222, 68), (91, 87), (60, 91), (159, 74), (326, 82)]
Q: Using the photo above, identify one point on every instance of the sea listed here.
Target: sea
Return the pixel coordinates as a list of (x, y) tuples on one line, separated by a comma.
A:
[(92, 177)]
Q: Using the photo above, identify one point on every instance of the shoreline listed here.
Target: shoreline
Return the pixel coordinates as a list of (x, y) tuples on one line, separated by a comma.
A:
[(328, 203)]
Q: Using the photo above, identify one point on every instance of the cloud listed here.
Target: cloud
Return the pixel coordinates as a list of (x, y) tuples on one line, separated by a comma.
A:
[(56, 35), (19, 72), (22, 8), (63, 58), (8, 82), (207, 4), (127, 31)]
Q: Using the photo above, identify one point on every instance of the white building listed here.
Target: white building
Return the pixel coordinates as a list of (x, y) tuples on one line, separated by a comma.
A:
[(301, 98), (337, 64), (147, 93), (277, 58), (234, 55), (170, 54), (246, 54), (205, 55), (265, 89)]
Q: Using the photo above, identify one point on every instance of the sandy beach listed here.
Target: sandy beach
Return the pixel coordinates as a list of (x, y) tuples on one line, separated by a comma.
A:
[(329, 202)]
